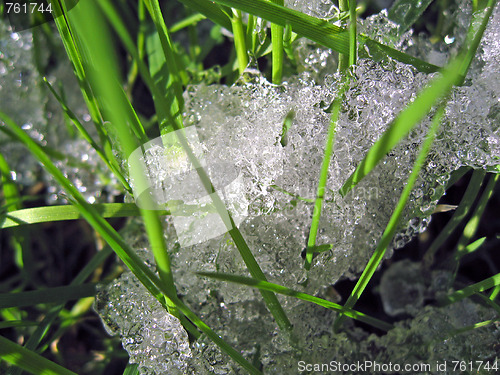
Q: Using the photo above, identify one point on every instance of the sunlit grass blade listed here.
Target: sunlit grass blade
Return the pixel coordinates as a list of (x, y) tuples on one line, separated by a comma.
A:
[(278, 51), (279, 289), (66, 212), (210, 10), (392, 226), (353, 37), (468, 291), (471, 227), (407, 12), (28, 360), (239, 40), (403, 123), (323, 177), (460, 213), (50, 295), (85, 134)]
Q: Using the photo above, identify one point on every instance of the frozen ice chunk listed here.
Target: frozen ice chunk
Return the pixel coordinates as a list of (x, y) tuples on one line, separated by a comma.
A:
[(402, 288), (316, 8), (153, 338)]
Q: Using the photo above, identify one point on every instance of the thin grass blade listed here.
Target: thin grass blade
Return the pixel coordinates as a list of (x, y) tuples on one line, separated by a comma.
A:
[(279, 289), (52, 295), (392, 226), (66, 212)]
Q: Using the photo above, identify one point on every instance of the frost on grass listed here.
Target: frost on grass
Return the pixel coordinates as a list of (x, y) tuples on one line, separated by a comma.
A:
[(243, 125)]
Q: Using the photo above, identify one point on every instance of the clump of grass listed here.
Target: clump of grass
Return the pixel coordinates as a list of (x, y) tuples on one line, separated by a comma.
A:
[(110, 97)]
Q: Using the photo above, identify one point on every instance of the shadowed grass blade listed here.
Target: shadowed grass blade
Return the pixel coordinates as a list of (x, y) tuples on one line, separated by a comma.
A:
[(28, 360), (471, 227), (50, 295), (460, 213)]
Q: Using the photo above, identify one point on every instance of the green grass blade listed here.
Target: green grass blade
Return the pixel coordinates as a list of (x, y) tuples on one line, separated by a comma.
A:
[(170, 60), (278, 51), (191, 20), (17, 323), (210, 10), (239, 40), (323, 178), (392, 226), (84, 133), (468, 291), (460, 213), (75, 58), (353, 38), (131, 369), (28, 360), (50, 295), (407, 12), (279, 289), (379, 49), (471, 227), (66, 212)]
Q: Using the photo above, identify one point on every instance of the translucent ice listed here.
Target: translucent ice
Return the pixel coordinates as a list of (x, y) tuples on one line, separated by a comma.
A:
[(25, 99)]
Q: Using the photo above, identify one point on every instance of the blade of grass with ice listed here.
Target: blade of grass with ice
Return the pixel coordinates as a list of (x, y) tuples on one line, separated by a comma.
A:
[(254, 268), (323, 177), (319, 31), (279, 289), (439, 87), (392, 226)]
